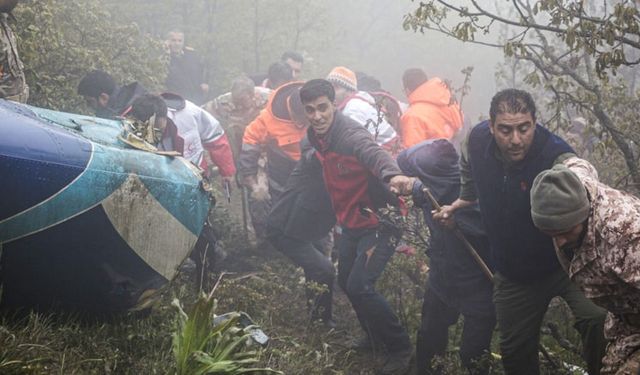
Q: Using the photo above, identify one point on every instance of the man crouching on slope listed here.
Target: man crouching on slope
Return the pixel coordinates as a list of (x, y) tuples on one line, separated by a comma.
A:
[(355, 169), (596, 233)]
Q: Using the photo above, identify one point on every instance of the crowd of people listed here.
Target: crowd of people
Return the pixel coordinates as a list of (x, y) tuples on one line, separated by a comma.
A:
[(320, 158)]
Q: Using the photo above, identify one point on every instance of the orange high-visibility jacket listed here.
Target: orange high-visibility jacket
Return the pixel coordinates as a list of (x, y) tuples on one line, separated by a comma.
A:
[(431, 114), (275, 125)]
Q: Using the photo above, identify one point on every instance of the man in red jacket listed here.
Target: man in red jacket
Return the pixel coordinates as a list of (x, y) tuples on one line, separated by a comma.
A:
[(355, 170)]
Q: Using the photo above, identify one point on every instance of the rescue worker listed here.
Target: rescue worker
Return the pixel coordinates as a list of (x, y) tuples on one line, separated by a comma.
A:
[(596, 232), (105, 97), (355, 169), (188, 129), (456, 284), (237, 108), (277, 131), (499, 161), (360, 106), (13, 85), (432, 113), (185, 76)]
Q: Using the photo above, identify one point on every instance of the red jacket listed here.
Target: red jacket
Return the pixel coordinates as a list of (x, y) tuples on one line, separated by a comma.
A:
[(355, 169)]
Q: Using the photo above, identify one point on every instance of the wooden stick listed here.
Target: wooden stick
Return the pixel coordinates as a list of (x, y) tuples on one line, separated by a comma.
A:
[(461, 237)]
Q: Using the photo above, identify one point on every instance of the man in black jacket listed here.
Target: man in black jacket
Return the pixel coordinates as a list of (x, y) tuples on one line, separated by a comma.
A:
[(107, 98), (499, 162), (456, 284), (186, 70)]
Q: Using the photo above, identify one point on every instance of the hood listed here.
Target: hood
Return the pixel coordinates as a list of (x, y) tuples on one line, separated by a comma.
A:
[(435, 163), (285, 105), (434, 91), (174, 102)]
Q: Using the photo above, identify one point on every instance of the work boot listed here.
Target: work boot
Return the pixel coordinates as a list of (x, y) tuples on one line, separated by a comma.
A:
[(398, 363)]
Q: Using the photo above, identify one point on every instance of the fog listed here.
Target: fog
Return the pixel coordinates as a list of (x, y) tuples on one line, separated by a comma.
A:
[(386, 50), (247, 35)]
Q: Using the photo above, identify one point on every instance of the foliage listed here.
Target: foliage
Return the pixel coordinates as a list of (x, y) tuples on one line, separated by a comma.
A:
[(608, 34), (578, 55), (61, 40), (200, 347), (39, 343)]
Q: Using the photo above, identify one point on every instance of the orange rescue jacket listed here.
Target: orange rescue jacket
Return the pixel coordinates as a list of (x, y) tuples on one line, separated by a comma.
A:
[(275, 125), (432, 114)]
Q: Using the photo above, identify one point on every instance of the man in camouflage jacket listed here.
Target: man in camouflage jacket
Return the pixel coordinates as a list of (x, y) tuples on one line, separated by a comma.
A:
[(13, 85), (596, 232), (237, 108)]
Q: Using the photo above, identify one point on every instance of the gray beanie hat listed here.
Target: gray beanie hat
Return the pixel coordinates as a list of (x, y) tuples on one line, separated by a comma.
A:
[(559, 201)]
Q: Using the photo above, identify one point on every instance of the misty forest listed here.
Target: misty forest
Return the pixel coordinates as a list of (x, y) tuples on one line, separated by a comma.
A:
[(229, 301)]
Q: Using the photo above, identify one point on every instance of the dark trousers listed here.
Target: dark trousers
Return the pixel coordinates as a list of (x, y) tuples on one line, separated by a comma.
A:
[(362, 256), (317, 268), (259, 213), (433, 335), (520, 309)]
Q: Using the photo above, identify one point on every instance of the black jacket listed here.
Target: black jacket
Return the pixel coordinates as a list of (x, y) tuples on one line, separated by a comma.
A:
[(454, 275), (186, 73), (120, 100), (520, 251), (304, 210)]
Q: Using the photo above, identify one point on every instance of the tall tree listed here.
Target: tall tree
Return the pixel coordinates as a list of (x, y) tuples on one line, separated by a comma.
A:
[(61, 40), (582, 53)]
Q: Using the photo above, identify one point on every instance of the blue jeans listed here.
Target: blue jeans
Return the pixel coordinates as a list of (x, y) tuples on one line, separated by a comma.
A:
[(362, 256)]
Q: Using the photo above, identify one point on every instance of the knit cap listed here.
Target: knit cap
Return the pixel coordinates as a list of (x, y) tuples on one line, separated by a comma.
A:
[(343, 77), (558, 200)]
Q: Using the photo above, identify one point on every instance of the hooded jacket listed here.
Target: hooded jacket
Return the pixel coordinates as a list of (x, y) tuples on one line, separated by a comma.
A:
[(453, 274), (278, 129), (432, 113), (361, 107), (195, 131)]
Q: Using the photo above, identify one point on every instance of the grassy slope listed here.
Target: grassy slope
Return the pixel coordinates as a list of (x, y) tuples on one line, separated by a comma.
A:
[(258, 281)]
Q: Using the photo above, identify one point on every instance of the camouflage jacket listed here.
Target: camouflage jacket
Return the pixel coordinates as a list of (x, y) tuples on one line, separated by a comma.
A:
[(233, 119), (223, 109), (607, 264), (12, 82)]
